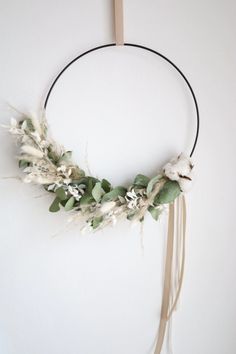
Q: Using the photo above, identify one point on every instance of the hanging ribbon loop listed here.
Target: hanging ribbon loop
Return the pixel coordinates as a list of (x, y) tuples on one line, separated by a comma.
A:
[(119, 23)]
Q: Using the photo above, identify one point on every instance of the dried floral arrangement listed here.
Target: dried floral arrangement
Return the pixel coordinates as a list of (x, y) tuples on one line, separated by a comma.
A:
[(46, 163)]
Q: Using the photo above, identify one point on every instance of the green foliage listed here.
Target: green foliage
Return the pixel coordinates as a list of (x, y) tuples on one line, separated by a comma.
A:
[(52, 155), (131, 214), (29, 124), (65, 158), (97, 191), (152, 183), (54, 207), (114, 194), (23, 163), (86, 199), (106, 185), (141, 180), (60, 193), (96, 222), (70, 203), (168, 193), (155, 212)]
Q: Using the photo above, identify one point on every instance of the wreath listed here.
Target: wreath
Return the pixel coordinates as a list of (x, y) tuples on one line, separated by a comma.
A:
[(97, 202)]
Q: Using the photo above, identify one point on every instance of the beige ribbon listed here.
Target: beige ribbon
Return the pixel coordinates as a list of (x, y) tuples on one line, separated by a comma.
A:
[(167, 308), (119, 25)]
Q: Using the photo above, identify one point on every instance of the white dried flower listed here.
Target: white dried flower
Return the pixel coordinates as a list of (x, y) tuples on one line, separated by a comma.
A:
[(36, 123), (75, 192), (108, 206), (36, 136), (132, 200), (113, 220), (13, 128), (30, 150)]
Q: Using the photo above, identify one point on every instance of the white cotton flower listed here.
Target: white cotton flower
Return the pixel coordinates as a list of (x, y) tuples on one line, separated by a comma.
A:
[(171, 172), (180, 169), (106, 207), (186, 183), (30, 150)]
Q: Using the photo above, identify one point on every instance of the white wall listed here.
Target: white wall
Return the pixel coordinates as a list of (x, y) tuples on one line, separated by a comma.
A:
[(100, 294)]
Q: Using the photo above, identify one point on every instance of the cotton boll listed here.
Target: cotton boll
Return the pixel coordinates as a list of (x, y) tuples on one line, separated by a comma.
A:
[(185, 184), (184, 165), (178, 167), (171, 172)]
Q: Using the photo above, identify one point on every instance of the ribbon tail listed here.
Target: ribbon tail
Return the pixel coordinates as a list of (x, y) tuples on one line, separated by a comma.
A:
[(166, 307)]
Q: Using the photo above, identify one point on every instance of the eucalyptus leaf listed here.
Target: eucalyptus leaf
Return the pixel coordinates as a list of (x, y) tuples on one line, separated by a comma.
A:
[(98, 191), (168, 193), (91, 181), (155, 212), (106, 185), (86, 199), (23, 163), (29, 124), (131, 215), (66, 157), (69, 204), (96, 221), (63, 202), (141, 180), (152, 183), (114, 194), (54, 207), (60, 193), (52, 155)]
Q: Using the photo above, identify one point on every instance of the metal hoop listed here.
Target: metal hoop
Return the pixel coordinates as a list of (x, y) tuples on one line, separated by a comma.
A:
[(150, 50)]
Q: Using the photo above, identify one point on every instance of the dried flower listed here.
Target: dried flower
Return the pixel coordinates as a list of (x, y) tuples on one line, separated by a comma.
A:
[(132, 200), (30, 150)]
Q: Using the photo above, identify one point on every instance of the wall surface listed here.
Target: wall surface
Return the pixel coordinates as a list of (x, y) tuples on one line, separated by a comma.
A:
[(123, 111)]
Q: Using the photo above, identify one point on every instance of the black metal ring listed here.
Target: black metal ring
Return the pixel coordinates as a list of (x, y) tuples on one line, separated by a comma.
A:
[(145, 48)]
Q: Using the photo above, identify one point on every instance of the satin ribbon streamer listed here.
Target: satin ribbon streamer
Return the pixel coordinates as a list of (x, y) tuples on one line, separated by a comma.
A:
[(175, 239)]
